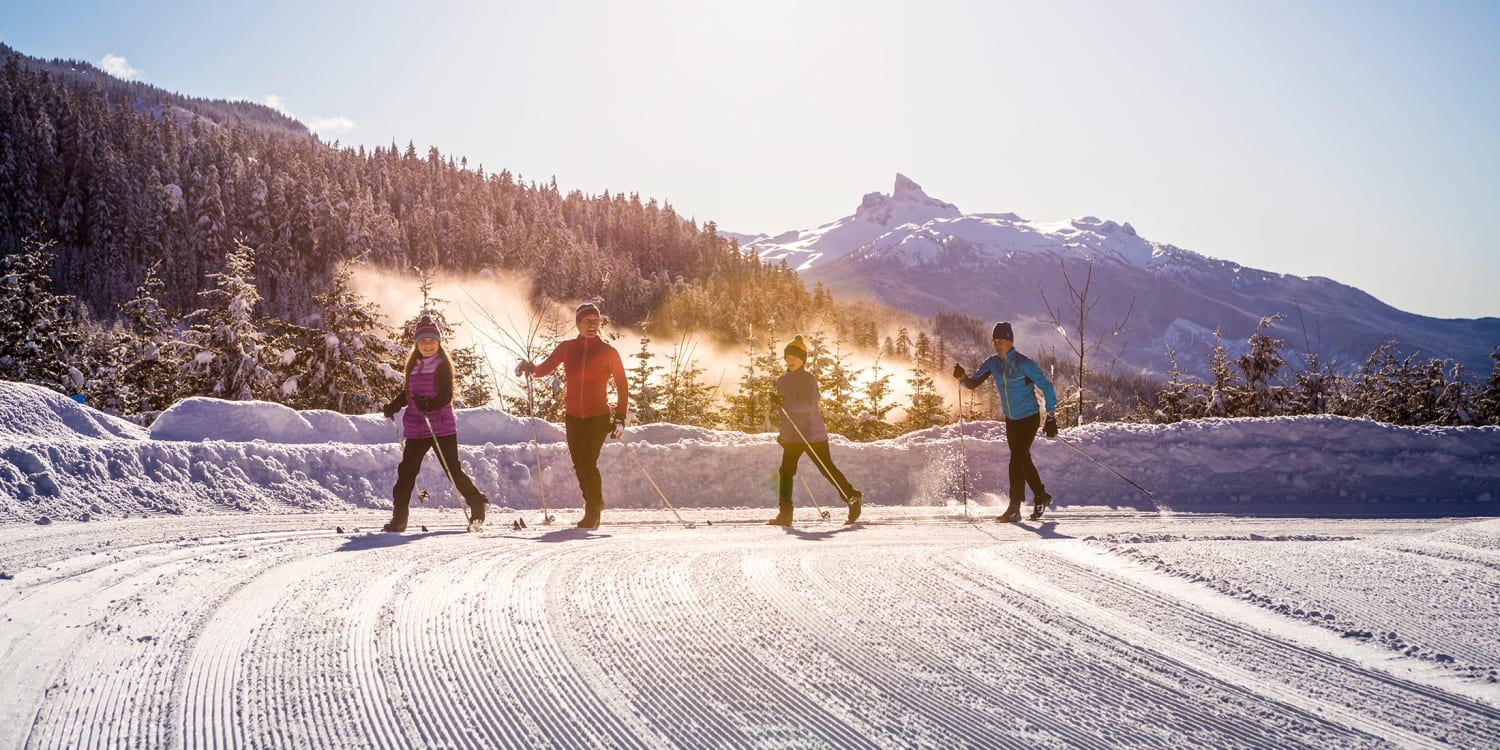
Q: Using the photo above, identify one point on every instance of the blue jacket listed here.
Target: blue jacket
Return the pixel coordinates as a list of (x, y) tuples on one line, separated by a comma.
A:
[(1014, 376)]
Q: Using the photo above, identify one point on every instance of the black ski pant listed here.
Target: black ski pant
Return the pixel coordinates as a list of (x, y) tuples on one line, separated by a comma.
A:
[(791, 453), (586, 436), (411, 464), (1019, 434)]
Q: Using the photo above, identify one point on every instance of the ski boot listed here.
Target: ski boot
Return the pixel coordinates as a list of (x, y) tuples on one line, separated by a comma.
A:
[(1012, 514), (397, 523), (1039, 505), (476, 513), (856, 500), (783, 514)]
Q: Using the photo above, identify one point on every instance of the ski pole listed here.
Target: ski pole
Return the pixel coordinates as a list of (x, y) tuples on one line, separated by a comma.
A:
[(1101, 463), (963, 453), (810, 496), (537, 450), (659, 493), (810, 452), (444, 462), (421, 493)]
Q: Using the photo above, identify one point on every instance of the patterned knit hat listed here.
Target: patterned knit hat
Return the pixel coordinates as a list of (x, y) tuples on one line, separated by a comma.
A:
[(796, 349), (426, 329), (587, 308)]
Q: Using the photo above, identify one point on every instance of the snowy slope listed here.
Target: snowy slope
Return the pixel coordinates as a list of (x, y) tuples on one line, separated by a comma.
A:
[(919, 254), (171, 618)]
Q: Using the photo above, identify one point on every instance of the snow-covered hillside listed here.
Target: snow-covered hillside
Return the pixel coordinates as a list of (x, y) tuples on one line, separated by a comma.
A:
[(920, 254), (1318, 583)]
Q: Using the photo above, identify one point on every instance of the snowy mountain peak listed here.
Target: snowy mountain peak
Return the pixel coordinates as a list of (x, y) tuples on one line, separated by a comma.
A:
[(907, 204)]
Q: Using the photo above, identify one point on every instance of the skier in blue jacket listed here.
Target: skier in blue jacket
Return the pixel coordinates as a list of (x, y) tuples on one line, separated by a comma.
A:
[(1015, 376)]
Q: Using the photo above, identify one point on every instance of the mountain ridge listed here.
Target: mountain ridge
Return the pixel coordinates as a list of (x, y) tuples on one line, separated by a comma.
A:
[(999, 265)]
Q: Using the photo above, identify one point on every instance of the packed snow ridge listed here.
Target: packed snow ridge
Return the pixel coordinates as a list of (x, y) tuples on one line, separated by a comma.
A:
[(63, 461)]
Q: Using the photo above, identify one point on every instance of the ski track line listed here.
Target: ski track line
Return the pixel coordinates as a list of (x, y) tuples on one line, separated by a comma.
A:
[(222, 691), (751, 702), (70, 646), (629, 618), (983, 669), (1394, 700), (900, 693), (1464, 587), (1186, 648), (567, 700), (617, 633), (903, 695), (1184, 700)]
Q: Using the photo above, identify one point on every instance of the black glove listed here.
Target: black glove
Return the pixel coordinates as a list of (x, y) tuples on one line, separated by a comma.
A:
[(1049, 428), (958, 372), (390, 411), (619, 427), (777, 401), (425, 404), (524, 367)]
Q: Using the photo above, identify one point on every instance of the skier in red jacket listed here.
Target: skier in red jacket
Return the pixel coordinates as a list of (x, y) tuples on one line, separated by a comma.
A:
[(588, 363)]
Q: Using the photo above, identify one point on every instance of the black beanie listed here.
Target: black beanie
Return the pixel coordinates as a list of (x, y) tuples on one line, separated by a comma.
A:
[(1002, 331), (796, 348)]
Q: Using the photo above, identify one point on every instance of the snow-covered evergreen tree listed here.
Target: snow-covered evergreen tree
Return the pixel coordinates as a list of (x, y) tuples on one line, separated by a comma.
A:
[(342, 361), (145, 352), (225, 344), (35, 328), (1487, 403), (1263, 393)]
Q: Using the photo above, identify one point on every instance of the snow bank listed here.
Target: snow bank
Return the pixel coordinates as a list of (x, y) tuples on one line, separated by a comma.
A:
[(33, 412), (60, 460)]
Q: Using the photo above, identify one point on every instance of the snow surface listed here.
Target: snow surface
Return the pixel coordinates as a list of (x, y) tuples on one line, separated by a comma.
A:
[(1295, 582)]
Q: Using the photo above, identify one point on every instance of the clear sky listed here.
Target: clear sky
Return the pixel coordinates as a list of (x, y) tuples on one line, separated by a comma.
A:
[(1354, 140)]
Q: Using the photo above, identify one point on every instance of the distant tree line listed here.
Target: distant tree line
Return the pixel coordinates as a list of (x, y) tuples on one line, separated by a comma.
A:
[(1267, 381)]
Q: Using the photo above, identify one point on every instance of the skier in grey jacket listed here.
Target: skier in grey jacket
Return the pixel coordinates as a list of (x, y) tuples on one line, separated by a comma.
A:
[(803, 431)]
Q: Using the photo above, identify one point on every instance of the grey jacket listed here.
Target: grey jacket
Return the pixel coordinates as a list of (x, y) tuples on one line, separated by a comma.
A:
[(799, 396)]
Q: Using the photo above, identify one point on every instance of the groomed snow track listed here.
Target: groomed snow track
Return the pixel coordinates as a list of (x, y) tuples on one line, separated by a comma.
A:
[(278, 631)]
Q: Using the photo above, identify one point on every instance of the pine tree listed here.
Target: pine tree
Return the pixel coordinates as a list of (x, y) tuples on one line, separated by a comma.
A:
[(1174, 400), (1221, 395), (1487, 403), (145, 353), (35, 329), (644, 394), (341, 363), (925, 408), (1263, 394), (750, 408), (877, 406), (837, 396), (225, 343), (685, 399)]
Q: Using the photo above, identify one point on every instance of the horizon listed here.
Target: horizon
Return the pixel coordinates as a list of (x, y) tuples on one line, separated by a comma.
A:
[(1279, 137)]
